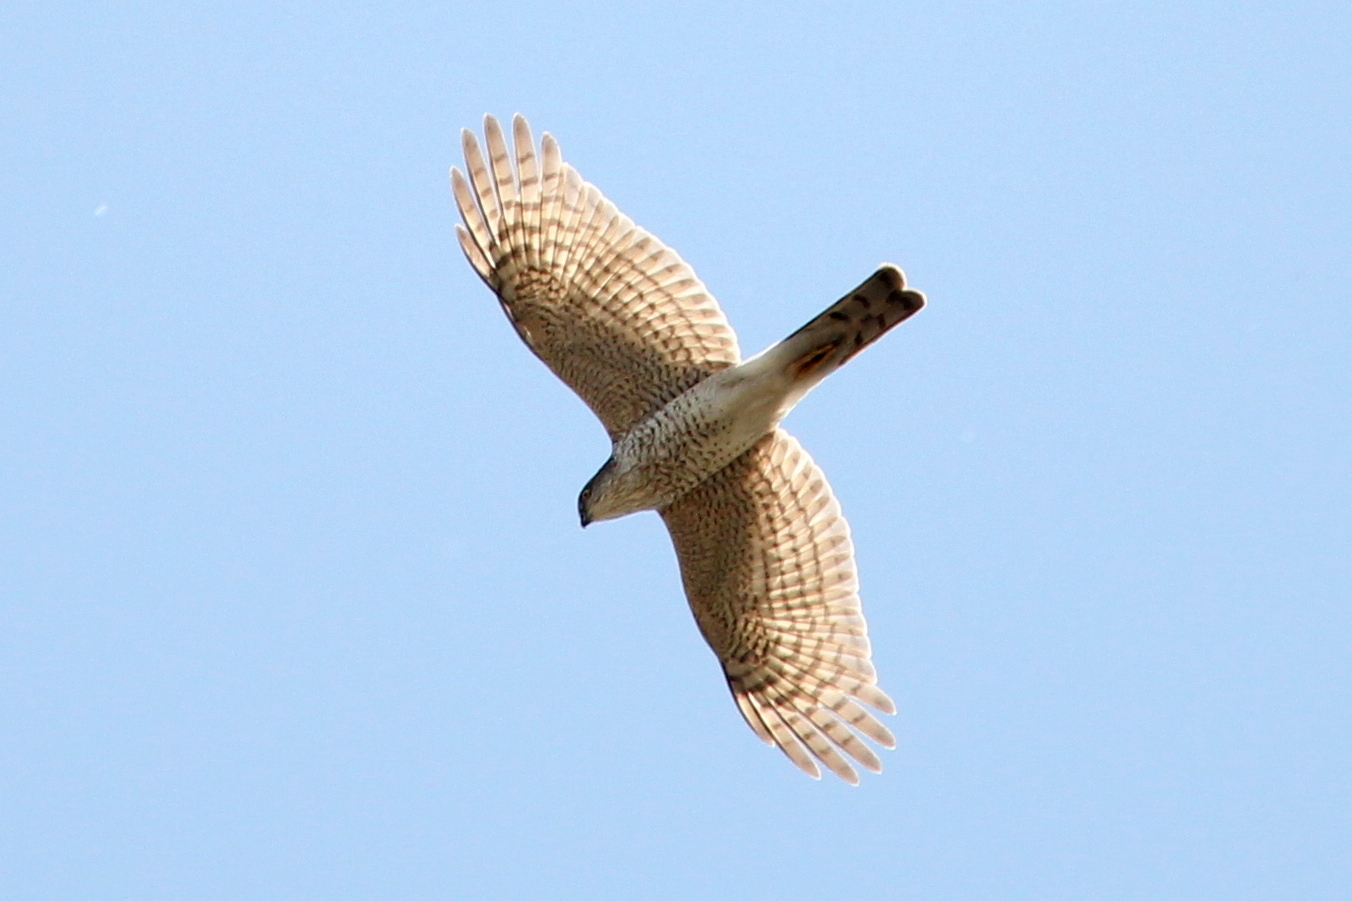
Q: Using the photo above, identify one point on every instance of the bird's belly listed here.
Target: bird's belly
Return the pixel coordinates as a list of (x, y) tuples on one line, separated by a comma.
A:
[(699, 433)]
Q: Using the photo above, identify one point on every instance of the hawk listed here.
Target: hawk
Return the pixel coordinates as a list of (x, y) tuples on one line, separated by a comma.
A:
[(765, 554)]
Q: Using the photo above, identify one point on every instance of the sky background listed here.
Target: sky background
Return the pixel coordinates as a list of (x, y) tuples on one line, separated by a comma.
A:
[(293, 598)]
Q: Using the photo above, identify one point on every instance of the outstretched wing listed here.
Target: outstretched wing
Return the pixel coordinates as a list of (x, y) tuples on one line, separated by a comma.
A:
[(768, 568), (609, 308)]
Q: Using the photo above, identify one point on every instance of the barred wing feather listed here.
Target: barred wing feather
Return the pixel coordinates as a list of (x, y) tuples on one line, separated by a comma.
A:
[(614, 312), (768, 567)]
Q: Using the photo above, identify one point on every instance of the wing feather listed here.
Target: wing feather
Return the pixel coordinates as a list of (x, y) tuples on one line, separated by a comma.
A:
[(785, 738), (487, 207), (476, 227), (472, 252), (614, 312), (768, 569), (753, 718), (529, 174), (552, 197)]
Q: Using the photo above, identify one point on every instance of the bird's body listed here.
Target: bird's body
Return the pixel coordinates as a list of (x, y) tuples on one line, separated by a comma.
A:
[(716, 420), (702, 430), (765, 555)]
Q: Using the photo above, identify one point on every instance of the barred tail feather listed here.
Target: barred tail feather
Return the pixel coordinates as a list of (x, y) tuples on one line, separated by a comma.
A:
[(851, 324)]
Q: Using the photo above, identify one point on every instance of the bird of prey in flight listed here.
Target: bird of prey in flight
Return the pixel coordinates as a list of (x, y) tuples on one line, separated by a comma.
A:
[(765, 554)]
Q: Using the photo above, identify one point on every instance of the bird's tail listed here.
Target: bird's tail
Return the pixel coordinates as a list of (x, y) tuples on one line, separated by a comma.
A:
[(850, 324)]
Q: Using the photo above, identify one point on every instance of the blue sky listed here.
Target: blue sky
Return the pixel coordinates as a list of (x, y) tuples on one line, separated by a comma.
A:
[(293, 600)]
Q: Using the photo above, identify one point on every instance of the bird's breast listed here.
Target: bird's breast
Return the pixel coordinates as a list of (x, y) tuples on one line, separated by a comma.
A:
[(701, 431)]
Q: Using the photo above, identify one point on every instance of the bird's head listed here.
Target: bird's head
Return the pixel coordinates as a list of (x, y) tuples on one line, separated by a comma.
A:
[(613, 492)]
